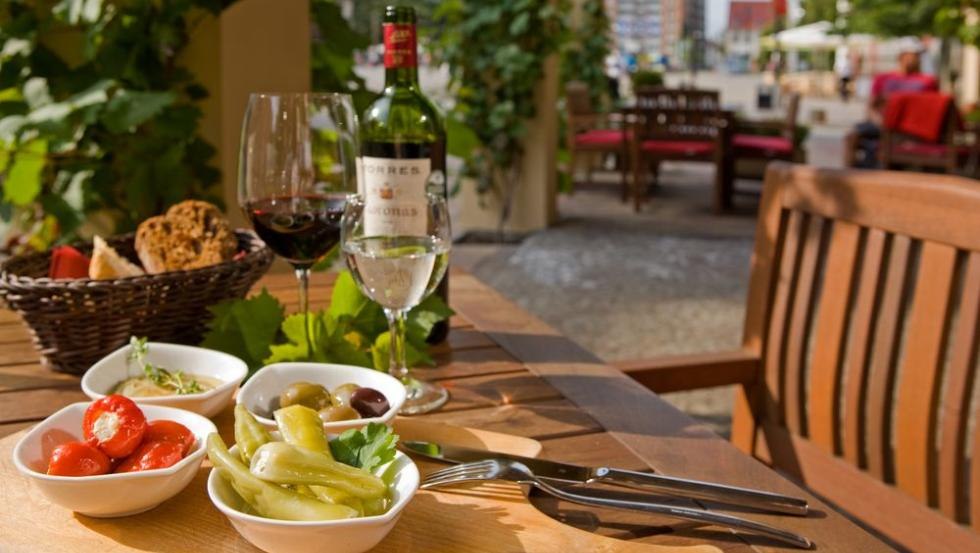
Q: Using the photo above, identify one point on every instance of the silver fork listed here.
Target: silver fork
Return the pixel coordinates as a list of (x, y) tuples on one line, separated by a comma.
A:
[(513, 471)]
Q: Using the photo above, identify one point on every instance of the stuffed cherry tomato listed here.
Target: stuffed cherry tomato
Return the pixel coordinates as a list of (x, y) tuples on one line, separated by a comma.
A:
[(78, 459), (152, 455), (115, 425), (169, 431)]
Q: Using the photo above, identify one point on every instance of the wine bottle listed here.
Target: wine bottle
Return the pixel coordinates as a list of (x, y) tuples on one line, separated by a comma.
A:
[(403, 145)]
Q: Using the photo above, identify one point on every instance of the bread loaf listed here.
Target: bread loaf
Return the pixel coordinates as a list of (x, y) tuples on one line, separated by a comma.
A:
[(108, 264), (190, 235)]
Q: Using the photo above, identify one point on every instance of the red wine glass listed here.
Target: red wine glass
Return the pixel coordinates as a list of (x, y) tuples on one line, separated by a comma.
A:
[(296, 166)]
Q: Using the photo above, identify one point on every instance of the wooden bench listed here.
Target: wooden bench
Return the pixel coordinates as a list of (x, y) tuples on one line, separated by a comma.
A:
[(859, 356)]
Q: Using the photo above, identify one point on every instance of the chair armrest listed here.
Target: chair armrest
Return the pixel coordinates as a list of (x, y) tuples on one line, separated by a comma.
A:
[(676, 373)]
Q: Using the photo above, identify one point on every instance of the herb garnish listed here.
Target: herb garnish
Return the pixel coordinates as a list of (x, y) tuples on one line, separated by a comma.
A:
[(368, 448), (177, 381)]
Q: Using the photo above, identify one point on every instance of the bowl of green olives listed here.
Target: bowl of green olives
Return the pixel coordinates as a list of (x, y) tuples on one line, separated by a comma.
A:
[(345, 396)]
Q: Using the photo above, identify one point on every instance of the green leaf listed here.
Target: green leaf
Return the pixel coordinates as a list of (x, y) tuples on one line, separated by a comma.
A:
[(78, 11), (326, 262), (330, 344), (381, 353), (245, 328), (368, 448), (36, 92), (10, 127), (424, 316), (129, 109), (23, 181), (93, 95), (361, 313), (461, 141), (347, 298)]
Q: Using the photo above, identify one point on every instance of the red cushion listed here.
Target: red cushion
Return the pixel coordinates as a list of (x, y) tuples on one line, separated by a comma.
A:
[(919, 114), (600, 137), (926, 149), (768, 144), (682, 147)]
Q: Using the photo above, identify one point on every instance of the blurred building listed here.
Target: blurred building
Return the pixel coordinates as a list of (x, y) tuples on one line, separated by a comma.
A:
[(669, 32), (747, 19)]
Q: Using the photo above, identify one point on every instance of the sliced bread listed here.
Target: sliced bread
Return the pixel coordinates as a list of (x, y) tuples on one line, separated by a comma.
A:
[(108, 264)]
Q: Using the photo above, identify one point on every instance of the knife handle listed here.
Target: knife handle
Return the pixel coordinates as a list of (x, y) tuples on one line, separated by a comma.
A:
[(696, 489), (683, 513)]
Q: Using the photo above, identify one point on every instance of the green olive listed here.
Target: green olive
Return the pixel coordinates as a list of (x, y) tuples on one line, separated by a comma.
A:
[(307, 394), (338, 413), (341, 394)]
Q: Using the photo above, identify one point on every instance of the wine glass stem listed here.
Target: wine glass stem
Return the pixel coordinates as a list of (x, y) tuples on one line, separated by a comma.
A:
[(303, 275), (397, 366)]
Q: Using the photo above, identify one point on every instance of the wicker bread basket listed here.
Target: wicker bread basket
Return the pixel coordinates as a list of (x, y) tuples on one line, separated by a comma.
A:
[(75, 322)]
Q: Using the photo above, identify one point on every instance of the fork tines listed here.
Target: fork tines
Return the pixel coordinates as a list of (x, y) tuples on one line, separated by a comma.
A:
[(477, 470)]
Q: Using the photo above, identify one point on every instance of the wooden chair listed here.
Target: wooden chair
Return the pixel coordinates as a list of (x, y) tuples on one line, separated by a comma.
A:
[(859, 355), (653, 97), (769, 140), (592, 133), (680, 134), (946, 153)]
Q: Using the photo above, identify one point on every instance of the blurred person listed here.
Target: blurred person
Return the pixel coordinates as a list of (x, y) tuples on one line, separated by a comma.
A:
[(613, 71), (862, 143), (844, 70)]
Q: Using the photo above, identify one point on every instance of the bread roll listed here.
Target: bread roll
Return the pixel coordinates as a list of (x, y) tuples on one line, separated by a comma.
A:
[(192, 234)]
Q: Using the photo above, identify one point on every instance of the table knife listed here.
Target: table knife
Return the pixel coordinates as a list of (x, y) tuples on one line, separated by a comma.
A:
[(575, 474)]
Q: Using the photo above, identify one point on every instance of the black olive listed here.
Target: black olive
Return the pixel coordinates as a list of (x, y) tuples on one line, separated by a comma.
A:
[(369, 402)]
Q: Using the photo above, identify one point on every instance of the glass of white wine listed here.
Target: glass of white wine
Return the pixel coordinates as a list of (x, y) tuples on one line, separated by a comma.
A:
[(398, 266)]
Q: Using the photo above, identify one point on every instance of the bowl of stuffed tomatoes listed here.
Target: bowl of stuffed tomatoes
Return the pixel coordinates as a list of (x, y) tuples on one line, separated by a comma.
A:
[(112, 457)]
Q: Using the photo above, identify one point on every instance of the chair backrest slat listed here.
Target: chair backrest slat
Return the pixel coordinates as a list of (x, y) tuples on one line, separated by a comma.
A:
[(799, 328), (830, 336), (577, 100), (782, 305), (918, 393), (677, 98), (859, 348), (964, 338), (881, 379), (864, 307)]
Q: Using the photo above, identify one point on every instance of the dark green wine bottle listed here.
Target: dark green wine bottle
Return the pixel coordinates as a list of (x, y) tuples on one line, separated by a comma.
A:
[(403, 141)]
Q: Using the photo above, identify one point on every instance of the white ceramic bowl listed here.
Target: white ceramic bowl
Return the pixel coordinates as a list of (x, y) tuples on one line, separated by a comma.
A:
[(107, 495), (115, 367), (259, 392), (328, 536)]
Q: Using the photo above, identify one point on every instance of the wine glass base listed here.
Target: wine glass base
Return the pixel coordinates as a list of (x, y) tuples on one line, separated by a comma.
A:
[(423, 397)]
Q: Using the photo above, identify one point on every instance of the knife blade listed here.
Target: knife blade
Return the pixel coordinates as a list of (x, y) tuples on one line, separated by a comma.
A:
[(575, 474)]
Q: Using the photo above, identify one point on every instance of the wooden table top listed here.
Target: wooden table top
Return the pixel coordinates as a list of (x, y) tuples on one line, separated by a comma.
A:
[(509, 372)]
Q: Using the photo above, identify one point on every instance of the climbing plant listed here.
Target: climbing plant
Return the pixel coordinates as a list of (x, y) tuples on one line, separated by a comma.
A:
[(583, 59), (98, 121), (332, 53), (496, 53)]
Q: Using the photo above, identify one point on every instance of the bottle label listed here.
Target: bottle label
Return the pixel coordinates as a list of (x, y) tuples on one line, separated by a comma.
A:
[(394, 192), (400, 49)]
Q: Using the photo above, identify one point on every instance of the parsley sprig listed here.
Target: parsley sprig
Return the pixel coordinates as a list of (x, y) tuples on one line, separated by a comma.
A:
[(177, 381), (368, 448)]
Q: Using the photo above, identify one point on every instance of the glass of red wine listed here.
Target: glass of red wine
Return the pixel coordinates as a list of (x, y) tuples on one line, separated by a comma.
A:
[(296, 167)]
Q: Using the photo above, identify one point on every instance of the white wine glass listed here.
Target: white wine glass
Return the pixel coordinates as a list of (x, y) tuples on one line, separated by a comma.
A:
[(398, 271)]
